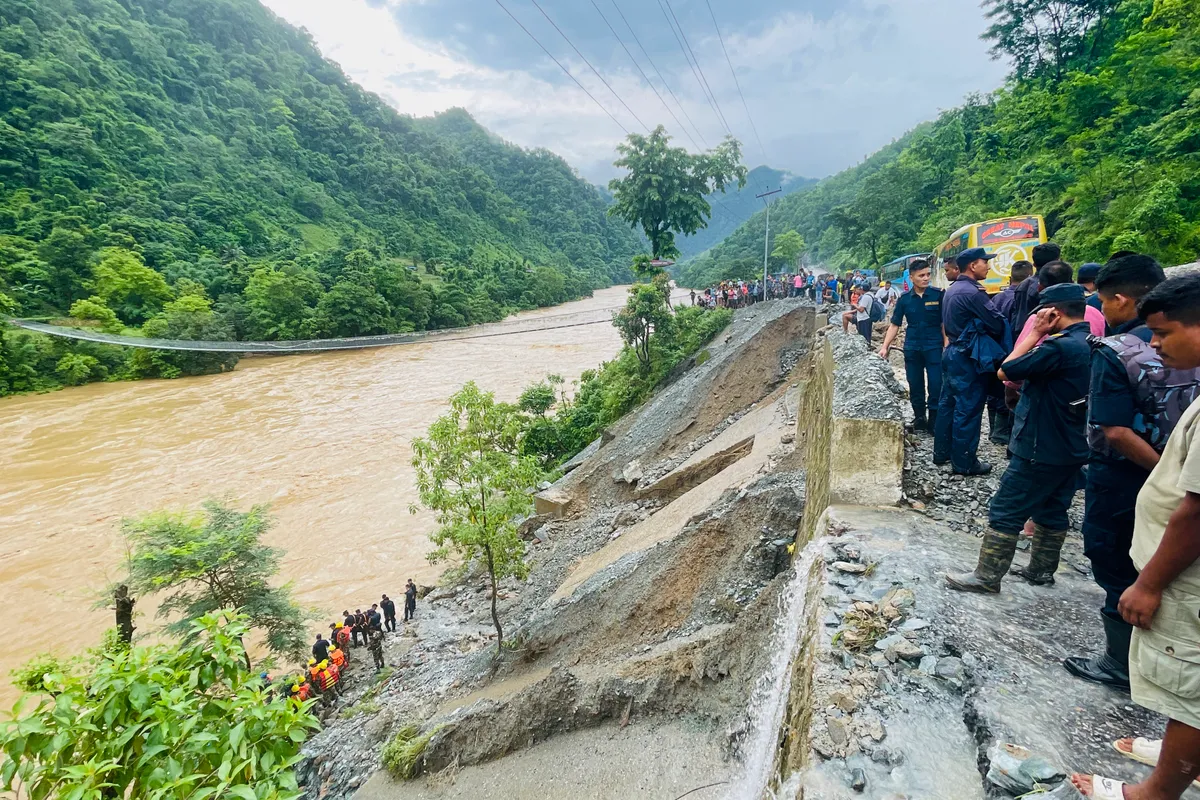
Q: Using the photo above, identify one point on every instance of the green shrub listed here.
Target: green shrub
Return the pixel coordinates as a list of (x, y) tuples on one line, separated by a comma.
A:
[(401, 754)]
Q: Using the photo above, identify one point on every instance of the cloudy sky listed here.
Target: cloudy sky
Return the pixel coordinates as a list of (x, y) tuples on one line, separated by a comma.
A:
[(826, 81)]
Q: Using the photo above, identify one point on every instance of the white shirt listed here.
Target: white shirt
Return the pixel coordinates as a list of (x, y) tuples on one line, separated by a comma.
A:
[(1177, 473)]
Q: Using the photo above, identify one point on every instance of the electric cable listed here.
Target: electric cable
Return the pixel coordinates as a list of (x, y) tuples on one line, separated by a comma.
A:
[(737, 83), (695, 73)]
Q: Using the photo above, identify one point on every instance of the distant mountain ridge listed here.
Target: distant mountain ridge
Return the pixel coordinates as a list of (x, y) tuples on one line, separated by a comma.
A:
[(734, 208)]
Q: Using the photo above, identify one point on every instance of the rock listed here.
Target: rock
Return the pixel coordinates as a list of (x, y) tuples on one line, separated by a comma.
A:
[(839, 734), (888, 641), (845, 701), (633, 472), (832, 620), (951, 669), (850, 567), (874, 728), (787, 438), (917, 505), (914, 624), (904, 649), (858, 779), (544, 485), (1018, 771), (879, 660), (900, 598), (928, 665)]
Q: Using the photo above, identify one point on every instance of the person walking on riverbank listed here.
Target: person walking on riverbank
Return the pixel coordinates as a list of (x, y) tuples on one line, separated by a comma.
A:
[(921, 309), (375, 645), (410, 600), (389, 613), (1163, 604)]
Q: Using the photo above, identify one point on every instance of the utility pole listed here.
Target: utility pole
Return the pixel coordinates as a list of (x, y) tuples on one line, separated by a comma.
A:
[(766, 237)]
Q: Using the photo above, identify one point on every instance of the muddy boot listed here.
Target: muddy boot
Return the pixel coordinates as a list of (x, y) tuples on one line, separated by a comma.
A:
[(1112, 668), (1043, 556), (995, 557)]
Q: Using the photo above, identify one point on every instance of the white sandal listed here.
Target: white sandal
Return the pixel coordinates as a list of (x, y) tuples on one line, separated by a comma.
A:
[(1107, 789), (1145, 751)]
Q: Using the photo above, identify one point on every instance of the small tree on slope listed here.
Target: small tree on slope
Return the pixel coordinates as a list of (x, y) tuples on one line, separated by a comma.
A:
[(470, 474)]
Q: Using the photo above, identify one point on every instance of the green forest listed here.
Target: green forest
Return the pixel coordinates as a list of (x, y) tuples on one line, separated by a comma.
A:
[(196, 169), (1097, 129)]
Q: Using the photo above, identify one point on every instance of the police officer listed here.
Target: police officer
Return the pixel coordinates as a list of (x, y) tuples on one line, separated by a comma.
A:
[(1127, 430), (1048, 446), (921, 307), (964, 386)]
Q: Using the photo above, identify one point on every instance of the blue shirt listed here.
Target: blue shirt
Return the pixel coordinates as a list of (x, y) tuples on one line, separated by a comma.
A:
[(1050, 422), (1003, 302), (966, 300), (1113, 405), (924, 316)]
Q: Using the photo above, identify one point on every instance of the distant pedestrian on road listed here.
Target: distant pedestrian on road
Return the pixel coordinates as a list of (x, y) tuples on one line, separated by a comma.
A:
[(410, 600)]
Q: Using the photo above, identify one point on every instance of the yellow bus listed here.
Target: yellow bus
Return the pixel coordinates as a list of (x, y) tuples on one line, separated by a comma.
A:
[(1012, 239)]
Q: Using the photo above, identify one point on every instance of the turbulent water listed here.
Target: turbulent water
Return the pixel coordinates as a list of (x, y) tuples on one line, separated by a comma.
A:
[(769, 701), (323, 438)]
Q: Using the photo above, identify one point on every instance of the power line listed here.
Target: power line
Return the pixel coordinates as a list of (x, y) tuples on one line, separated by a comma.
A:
[(736, 83), (658, 72), (593, 69), (643, 74), (686, 49), (564, 69)]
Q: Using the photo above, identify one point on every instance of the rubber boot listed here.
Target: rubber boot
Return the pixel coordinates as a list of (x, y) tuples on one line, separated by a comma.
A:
[(1112, 668), (1000, 421), (1043, 556), (995, 557)]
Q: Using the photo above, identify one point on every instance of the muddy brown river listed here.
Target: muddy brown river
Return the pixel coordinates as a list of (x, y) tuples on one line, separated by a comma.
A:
[(323, 438)]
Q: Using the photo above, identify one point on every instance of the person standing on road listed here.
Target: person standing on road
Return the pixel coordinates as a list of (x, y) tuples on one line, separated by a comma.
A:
[(1048, 447), (1163, 604), (1026, 295), (410, 600), (389, 613), (921, 307), (1086, 278), (965, 308), (1136, 403)]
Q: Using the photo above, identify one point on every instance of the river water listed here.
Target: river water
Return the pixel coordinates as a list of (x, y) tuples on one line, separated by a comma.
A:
[(325, 439)]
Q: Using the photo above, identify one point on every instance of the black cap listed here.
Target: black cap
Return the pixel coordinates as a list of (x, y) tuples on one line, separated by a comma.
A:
[(974, 254), (1088, 272), (1060, 293)]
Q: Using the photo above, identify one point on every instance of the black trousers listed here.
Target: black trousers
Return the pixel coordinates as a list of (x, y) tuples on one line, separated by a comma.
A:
[(390, 623), (1041, 492), (410, 609), (1108, 534)]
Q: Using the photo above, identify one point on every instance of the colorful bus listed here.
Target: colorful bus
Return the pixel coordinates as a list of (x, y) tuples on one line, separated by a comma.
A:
[(1012, 239), (897, 271)]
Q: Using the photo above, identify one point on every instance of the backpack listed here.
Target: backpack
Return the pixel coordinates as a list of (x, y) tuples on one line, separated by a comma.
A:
[(877, 310), (1161, 394)]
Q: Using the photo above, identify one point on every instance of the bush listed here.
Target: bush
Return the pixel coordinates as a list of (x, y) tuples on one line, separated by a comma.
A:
[(405, 750)]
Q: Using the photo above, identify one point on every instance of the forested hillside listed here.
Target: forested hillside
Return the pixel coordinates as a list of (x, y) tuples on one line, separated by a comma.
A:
[(1098, 129), (196, 166), (732, 209)]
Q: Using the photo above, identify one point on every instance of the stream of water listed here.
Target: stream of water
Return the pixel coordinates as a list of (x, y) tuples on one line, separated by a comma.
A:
[(325, 439)]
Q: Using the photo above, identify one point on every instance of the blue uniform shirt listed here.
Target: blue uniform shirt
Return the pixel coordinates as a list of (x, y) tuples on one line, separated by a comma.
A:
[(966, 300), (1112, 404), (1050, 423), (924, 316)]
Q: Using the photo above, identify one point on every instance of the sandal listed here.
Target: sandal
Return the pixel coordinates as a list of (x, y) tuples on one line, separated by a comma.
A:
[(1144, 751), (1106, 789)]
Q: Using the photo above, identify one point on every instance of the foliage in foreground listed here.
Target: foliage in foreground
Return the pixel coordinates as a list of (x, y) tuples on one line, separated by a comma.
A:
[(181, 719), (204, 562), (401, 754), (471, 473)]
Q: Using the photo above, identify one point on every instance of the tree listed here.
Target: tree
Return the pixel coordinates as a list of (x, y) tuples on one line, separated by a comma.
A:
[(788, 247), (470, 473), (94, 309), (646, 311), (1044, 38), (664, 190), (189, 318), (128, 286), (281, 301), (180, 719), (204, 562)]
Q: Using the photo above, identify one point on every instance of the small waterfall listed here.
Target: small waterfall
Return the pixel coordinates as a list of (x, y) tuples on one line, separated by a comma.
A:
[(769, 703)]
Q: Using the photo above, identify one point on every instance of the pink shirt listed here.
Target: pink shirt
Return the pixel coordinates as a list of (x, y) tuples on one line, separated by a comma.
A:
[(1095, 321)]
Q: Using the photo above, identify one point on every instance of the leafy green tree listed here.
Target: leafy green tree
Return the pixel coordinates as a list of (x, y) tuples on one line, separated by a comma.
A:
[(189, 318), (1045, 38), (214, 560), (789, 246), (352, 309), (179, 719), (537, 398), (647, 311), (282, 301), (665, 188), (94, 309), (76, 369), (471, 474), (125, 284)]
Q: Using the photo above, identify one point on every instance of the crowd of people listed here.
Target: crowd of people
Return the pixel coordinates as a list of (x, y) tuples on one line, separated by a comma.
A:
[(323, 676), (1089, 379), (819, 287)]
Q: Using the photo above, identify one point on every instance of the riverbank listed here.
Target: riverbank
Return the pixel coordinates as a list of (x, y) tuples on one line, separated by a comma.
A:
[(323, 438)]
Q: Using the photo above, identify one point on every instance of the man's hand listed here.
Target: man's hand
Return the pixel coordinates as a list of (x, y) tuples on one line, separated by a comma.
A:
[(1045, 320), (1139, 605), (883, 352)]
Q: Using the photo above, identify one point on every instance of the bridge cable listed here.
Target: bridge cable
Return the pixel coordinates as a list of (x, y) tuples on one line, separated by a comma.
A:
[(737, 83), (564, 69), (686, 49)]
